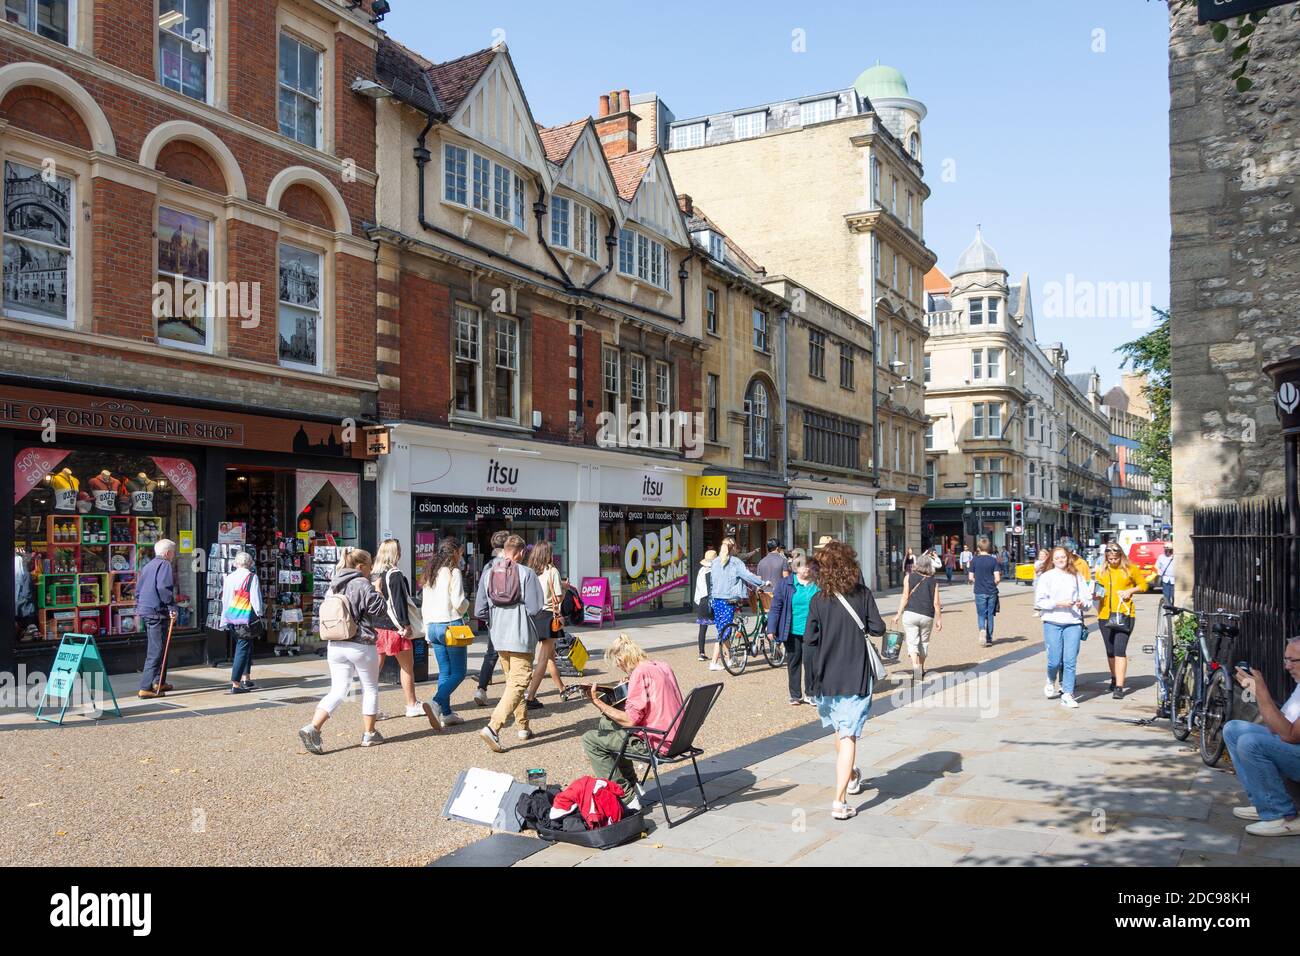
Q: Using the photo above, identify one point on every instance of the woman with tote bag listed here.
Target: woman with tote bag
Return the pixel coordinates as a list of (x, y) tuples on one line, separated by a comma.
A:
[(1061, 594), (845, 664), (444, 604), (1116, 612)]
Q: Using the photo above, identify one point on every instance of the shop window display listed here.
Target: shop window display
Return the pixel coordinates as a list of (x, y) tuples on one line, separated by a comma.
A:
[(85, 522), (645, 555)]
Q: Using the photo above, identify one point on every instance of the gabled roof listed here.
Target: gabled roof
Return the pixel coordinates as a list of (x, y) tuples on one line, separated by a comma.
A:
[(1081, 380), (558, 141), (697, 220), (937, 282), (453, 80), (629, 170)]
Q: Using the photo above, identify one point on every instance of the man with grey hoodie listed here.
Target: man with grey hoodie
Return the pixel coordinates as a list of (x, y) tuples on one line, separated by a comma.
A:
[(513, 636)]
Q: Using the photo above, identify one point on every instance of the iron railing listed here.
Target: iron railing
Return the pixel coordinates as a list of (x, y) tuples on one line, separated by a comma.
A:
[(1246, 561)]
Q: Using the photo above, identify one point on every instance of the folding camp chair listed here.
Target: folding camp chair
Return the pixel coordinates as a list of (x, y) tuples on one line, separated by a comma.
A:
[(683, 729)]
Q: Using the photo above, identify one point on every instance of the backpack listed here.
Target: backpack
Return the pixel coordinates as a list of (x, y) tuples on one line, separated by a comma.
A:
[(503, 588), (337, 622)]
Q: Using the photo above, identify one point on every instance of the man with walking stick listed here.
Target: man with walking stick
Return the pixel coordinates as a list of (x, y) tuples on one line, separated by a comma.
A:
[(156, 606)]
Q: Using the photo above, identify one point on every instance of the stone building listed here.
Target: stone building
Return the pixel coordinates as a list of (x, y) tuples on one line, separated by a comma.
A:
[(1234, 257), (188, 334), (828, 189), (990, 402), (1083, 452), (1132, 501)]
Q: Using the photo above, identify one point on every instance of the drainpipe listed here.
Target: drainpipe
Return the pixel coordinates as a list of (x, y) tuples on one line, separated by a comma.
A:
[(539, 210), (682, 275), (784, 373), (611, 243)]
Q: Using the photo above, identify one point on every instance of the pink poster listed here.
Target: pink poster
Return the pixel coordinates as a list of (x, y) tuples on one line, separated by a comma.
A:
[(425, 543), (182, 476), (597, 606), (31, 465)]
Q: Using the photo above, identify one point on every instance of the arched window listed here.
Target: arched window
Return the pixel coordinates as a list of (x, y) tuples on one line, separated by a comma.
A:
[(914, 144), (756, 421)]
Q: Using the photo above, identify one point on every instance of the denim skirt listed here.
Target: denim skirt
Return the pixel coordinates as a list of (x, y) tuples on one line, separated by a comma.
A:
[(847, 714)]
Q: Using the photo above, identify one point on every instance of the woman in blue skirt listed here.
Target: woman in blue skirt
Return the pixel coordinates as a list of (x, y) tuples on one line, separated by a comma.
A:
[(837, 614)]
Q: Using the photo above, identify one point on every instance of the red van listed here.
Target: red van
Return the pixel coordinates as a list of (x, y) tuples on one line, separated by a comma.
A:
[(1144, 554)]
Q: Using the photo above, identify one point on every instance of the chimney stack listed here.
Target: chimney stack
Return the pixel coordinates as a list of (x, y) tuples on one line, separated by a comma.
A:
[(616, 125)]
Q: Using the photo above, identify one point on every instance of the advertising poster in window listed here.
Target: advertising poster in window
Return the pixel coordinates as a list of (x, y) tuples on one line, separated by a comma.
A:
[(655, 562)]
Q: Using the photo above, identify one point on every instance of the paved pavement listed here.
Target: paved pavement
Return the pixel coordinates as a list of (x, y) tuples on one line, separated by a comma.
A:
[(985, 772)]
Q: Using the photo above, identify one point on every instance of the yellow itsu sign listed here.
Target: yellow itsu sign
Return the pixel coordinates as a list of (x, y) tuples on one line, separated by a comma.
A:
[(706, 491)]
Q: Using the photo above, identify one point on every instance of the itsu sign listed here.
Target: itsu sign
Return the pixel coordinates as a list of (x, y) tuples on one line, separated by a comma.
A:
[(751, 506)]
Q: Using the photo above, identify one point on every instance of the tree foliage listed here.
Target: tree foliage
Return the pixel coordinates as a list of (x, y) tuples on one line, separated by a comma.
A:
[(1150, 356)]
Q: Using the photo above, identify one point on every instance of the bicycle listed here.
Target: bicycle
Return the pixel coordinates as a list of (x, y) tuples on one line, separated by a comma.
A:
[(1201, 696), (1163, 651), (740, 641)]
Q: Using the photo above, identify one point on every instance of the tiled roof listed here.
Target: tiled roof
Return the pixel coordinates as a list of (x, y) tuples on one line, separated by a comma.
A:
[(936, 281), (453, 80), (406, 72), (629, 169), (698, 220), (1013, 300), (558, 140)]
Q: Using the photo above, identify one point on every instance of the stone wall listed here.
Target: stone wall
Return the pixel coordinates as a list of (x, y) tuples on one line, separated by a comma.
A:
[(1234, 261)]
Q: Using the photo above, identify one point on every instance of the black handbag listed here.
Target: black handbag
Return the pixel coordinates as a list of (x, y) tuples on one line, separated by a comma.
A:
[(1121, 623)]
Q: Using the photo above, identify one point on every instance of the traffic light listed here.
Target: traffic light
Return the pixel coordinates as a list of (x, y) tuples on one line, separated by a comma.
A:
[(1017, 517)]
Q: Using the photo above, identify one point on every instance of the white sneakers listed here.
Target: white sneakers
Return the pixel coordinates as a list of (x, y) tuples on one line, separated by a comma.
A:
[(1050, 691), (1272, 828), (415, 710), (716, 666), (525, 735), (1245, 813), (449, 719), (480, 697), (1067, 700)]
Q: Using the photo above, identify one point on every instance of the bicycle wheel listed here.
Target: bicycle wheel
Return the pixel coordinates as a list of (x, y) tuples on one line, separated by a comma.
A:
[(735, 649), (1218, 711), (1181, 699), (1164, 675), (774, 651)]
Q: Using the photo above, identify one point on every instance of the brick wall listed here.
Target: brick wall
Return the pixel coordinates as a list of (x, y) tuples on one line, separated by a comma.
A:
[(124, 35), (591, 381), (252, 90), (424, 319), (550, 375), (123, 275), (40, 111), (354, 312), (251, 257), (189, 163)]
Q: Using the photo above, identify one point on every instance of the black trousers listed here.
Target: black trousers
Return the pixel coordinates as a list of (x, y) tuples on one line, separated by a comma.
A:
[(1116, 641), (489, 665), (799, 656), (704, 632), (156, 630)]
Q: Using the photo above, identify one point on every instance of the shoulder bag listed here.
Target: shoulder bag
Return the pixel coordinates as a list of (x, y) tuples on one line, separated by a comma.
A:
[(1121, 620), (873, 656)]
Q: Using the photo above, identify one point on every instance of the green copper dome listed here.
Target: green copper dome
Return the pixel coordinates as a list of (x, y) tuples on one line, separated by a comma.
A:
[(881, 82)]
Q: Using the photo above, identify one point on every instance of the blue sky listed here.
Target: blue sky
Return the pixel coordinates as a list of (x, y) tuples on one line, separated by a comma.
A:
[(1050, 117)]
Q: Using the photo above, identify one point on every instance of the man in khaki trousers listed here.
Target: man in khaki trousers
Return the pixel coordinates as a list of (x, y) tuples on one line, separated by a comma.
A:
[(510, 625)]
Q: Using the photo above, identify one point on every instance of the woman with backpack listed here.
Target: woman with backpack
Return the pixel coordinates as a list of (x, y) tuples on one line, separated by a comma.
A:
[(241, 616), (541, 560), (349, 616), (444, 604), (840, 617), (394, 633)]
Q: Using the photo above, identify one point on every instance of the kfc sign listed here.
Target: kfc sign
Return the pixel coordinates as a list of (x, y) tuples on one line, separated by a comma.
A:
[(751, 506)]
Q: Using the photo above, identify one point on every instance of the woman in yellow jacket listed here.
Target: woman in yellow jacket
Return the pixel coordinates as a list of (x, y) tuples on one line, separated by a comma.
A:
[(1121, 582)]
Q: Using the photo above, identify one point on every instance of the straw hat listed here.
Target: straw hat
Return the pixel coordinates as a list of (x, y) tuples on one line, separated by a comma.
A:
[(825, 540), (708, 558)]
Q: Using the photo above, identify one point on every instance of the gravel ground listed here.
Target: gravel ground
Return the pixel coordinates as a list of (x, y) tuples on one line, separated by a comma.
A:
[(227, 783)]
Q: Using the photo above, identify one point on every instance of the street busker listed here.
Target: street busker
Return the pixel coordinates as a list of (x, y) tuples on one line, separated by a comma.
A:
[(840, 616), (728, 577), (1267, 755), (395, 633), (1116, 612), (509, 594), (541, 560), (350, 615), (444, 604), (788, 622), (920, 612), (653, 700), (985, 574), (1061, 594), (703, 609), (490, 655)]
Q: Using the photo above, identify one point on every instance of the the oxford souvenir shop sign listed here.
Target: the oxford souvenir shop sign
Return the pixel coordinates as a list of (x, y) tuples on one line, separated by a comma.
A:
[(144, 421)]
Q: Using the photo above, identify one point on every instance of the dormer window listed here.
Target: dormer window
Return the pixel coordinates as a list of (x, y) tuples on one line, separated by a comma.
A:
[(751, 124), (717, 247), (480, 183), (642, 258), (573, 226), (817, 111), (684, 137)]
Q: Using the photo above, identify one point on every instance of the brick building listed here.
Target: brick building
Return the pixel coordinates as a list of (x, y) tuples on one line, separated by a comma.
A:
[(187, 336), (535, 302)]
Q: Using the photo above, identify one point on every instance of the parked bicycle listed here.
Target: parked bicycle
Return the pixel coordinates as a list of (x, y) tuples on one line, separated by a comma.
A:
[(1163, 652), (741, 640), (1201, 693)]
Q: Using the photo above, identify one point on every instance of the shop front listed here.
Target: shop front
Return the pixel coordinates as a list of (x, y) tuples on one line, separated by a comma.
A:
[(961, 524), (602, 518), (752, 517), (98, 481), (842, 512)]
